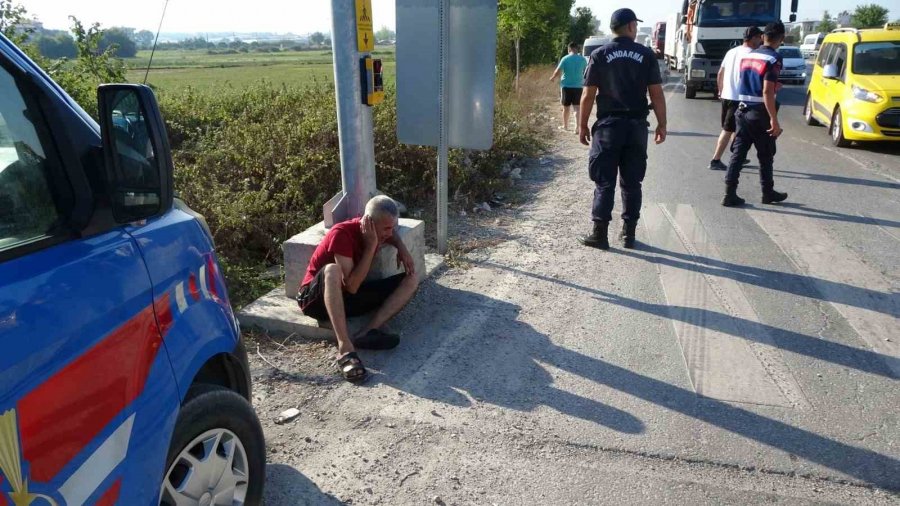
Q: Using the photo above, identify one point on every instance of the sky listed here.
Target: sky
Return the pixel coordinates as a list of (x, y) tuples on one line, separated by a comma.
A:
[(306, 16)]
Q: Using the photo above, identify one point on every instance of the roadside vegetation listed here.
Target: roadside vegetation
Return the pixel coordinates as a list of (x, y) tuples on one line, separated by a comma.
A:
[(254, 134)]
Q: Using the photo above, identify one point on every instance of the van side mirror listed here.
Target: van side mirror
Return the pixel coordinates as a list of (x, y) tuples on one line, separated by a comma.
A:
[(830, 71), (136, 152)]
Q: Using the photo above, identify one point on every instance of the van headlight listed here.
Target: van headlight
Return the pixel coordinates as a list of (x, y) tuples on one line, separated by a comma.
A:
[(865, 95), (698, 49)]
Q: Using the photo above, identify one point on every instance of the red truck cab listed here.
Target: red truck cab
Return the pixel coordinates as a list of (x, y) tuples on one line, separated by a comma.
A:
[(658, 39)]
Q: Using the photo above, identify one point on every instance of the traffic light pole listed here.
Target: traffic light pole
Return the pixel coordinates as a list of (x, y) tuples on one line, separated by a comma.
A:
[(355, 126)]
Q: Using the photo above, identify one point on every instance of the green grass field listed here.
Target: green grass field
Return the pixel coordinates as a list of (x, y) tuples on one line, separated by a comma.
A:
[(179, 69)]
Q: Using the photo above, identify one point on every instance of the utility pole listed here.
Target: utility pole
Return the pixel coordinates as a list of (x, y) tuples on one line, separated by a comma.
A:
[(355, 128)]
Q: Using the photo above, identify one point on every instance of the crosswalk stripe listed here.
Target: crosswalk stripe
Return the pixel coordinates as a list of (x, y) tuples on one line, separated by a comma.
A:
[(729, 356), (857, 291)]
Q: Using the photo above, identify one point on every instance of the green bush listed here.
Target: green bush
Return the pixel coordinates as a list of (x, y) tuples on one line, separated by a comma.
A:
[(260, 162)]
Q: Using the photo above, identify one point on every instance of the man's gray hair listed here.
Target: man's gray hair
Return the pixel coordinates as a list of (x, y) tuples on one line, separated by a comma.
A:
[(382, 206)]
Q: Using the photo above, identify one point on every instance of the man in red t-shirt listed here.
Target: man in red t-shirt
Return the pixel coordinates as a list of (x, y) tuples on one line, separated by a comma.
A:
[(334, 287)]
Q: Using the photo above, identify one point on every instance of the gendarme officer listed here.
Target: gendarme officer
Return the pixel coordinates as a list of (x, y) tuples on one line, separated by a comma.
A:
[(619, 75)]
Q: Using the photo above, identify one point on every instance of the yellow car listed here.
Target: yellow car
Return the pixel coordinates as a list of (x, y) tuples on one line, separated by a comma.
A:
[(855, 85)]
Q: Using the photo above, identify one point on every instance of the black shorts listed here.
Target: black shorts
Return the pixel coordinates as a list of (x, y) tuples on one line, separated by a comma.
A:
[(569, 96), (729, 107), (369, 297)]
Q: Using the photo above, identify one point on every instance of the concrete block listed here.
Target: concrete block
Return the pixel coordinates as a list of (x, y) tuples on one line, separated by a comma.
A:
[(299, 249), (279, 315)]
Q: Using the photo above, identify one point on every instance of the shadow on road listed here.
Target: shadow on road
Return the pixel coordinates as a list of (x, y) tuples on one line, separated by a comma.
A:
[(837, 179), (794, 209), (285, 486), (451, 367)]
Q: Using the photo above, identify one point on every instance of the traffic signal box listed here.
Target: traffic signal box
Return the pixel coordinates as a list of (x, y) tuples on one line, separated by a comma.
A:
[(372, 80)]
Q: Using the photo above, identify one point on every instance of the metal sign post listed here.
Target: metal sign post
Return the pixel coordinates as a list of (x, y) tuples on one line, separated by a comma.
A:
[(444, 128), (352, 38)]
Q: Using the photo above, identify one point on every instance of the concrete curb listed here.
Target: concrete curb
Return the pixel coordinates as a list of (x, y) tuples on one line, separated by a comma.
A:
[(278, 315)]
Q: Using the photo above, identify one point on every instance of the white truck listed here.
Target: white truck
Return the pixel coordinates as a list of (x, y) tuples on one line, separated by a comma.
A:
[(707, 29), (673, 33)]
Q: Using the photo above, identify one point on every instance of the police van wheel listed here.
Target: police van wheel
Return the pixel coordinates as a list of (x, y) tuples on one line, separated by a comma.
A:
[(217, 454), (690, 92), (808, 111), (837, 130)]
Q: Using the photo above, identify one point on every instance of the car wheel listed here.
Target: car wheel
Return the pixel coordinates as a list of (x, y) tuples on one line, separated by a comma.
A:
[(217, 454), (808, 111), (690, 92), (837, 130)]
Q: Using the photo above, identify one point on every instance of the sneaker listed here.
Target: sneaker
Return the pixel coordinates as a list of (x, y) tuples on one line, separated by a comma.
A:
[(717, 165)]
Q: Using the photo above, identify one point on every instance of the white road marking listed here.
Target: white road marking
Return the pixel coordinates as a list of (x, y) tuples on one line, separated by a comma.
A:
[(859, 293), (728, 354)]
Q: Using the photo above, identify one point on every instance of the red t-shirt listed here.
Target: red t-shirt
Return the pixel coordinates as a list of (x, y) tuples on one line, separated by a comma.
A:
[(343, 239)]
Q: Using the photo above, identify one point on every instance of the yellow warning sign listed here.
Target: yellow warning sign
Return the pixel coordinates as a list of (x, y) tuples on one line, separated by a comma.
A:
[(365, 37)]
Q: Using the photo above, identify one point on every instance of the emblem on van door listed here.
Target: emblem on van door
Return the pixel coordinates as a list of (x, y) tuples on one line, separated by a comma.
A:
[(11, 463), (735, 43)]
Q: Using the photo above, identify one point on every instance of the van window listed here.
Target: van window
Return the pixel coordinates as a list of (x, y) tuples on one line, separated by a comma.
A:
[(838, 57), (27, 207), (824, 54)]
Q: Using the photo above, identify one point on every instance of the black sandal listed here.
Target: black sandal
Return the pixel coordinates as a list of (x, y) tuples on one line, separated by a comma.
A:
[(376, 339), (351, 367)]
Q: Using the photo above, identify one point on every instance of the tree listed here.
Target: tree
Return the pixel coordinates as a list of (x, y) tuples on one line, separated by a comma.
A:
[(385, 33), (317, 39), (57, 46), (119, 41), (869, 16), (517, 18), (582, 25), (14, 22), (144, 39), (827, 24)]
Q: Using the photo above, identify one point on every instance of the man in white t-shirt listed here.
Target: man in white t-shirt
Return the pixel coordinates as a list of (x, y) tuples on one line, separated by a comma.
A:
[(728, 79)]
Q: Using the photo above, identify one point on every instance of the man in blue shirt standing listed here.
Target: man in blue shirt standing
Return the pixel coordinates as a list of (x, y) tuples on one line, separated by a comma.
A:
[(757, 117), (572, 67), (620, 75)]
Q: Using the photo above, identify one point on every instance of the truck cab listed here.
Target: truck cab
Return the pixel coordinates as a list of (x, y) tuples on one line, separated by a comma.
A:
[(710, 28), (123, 377)]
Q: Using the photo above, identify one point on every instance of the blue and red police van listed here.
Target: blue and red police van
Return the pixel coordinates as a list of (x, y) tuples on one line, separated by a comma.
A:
[(123, 377)]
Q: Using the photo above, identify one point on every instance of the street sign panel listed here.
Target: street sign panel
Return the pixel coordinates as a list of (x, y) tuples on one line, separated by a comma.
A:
[(365, 37), (471, 62)]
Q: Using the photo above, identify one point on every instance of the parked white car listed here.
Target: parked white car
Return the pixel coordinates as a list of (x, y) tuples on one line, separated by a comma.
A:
[(793, 65)]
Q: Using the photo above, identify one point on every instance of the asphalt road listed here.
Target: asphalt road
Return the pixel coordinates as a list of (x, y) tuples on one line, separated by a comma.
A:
[(737, 356)]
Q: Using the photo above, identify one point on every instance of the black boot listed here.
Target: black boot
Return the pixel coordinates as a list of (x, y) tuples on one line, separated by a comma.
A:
[(627, 234), (770, 196), (598, 239), (731, 199)]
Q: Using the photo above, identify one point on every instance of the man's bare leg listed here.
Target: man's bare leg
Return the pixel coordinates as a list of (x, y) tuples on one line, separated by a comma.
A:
[(334, 303), (577, 114), (724, 140), (392, 305), (565, 117)]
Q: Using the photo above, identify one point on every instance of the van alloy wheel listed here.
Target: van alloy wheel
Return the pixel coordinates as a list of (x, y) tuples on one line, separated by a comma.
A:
[(211, 470)]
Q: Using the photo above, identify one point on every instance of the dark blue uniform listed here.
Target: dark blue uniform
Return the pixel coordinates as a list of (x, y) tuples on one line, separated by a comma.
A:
[(753, 121), (621, 70)]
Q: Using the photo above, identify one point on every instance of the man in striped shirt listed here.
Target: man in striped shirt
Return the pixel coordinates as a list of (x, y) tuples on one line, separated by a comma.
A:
[(757, 117)]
